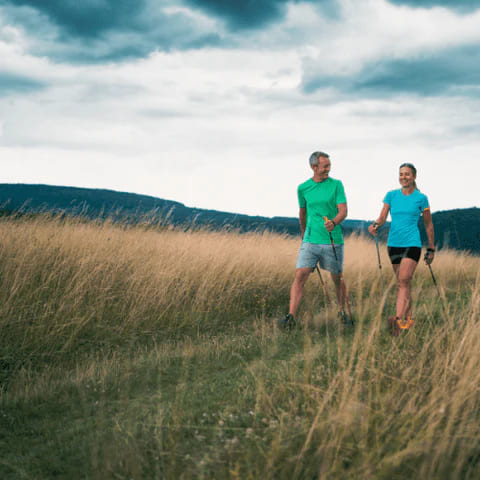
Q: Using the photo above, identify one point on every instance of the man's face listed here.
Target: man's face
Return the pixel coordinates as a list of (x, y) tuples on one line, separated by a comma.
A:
[(322, 169)]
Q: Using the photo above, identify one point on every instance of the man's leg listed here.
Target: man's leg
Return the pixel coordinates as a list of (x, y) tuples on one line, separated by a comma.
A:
[(339, 290), (296, 292)]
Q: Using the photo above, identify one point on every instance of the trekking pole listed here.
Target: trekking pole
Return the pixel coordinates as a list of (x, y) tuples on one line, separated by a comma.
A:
[(323, 285), (342, 281), (436, 286), (379, 263)]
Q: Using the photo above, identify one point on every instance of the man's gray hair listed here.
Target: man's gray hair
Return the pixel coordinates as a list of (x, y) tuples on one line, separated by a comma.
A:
[(314, 157)]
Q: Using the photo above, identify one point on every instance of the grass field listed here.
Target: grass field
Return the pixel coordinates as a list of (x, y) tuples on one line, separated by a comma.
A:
[(151, 352)]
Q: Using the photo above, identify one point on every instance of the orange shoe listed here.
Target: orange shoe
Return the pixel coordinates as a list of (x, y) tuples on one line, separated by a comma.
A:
[(405, 324)]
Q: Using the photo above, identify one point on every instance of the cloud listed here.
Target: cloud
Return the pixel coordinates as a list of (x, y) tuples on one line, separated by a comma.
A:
[(88, 18), (14, 83), (378, 49), (94, 31), (462, 6), (448, 72), (243, 14), (250, 15)]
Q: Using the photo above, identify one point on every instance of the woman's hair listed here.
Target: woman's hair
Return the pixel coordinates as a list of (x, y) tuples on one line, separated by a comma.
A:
[(414, 171), (314, 157)]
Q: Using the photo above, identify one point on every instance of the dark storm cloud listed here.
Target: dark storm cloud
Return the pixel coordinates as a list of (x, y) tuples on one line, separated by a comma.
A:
[(105, 30), (452, 72), (86, 18), (251, 14), (11, 83), (243, 14), (462, 6)]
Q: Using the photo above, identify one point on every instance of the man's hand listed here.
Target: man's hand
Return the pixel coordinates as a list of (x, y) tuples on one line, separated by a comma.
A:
[(329, 224)]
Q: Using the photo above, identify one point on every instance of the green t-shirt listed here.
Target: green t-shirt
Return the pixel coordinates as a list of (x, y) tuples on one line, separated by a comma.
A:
[(321, 200)]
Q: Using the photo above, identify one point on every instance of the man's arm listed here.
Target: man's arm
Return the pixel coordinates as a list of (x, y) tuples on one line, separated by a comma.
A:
[(341, 215), (303, 220), (338, 218)]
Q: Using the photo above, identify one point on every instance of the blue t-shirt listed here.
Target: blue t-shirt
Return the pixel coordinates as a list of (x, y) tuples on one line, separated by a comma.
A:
[(405, 211)]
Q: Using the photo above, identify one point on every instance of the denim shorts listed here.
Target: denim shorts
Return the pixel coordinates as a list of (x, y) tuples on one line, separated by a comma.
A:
[(312, 253)]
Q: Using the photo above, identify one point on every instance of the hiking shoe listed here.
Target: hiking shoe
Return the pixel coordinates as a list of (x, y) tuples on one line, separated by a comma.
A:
[(344, 318), (405, 324), (287, 322), (393, 326)]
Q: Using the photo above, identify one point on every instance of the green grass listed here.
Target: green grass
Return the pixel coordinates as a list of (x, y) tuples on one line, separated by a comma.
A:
[(135, 354)]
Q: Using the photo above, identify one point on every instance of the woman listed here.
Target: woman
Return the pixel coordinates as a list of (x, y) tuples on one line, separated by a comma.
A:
[(405, 205)]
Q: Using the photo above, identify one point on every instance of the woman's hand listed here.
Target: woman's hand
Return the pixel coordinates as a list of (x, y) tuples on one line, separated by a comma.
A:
[(373, 228), (429, 256)]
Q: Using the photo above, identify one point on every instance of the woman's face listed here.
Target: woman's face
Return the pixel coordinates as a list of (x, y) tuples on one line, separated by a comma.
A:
[(407, 177)]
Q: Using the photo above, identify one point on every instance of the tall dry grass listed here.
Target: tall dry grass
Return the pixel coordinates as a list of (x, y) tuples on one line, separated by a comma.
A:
[(68, 285), (154, 353)]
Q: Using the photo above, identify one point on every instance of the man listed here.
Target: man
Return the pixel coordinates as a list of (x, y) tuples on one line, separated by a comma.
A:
[(323, 206)]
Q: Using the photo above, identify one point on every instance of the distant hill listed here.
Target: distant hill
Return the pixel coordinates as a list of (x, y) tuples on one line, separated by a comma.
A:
[(457, 229), (94, 203)]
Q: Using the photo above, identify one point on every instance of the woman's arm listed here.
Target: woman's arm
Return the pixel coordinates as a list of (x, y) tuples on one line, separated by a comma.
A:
[(380, 220), (427, 221)]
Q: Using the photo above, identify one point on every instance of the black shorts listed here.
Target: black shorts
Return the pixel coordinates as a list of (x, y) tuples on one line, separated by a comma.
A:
[(397, 253)]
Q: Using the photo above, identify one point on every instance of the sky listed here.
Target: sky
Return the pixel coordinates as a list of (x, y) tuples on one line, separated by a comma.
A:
[(219, 104)]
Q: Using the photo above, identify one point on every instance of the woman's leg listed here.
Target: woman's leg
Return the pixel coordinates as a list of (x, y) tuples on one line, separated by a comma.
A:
[(404, 272)]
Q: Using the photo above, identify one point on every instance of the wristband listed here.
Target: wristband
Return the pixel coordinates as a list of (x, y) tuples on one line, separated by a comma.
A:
[(334, 224), (432, 250)]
